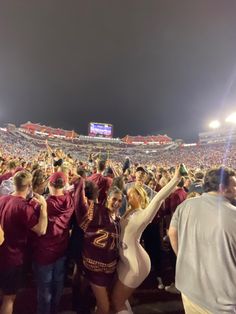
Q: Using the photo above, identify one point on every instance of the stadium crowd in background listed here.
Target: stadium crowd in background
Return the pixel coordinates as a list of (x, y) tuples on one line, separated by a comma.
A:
[(62, 205)]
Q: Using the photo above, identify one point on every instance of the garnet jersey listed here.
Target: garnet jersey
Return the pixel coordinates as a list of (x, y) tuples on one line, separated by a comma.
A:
[(101, 236)]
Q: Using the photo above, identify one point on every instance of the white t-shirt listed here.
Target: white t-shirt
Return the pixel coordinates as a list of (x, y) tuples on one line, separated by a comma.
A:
[(206, 259)]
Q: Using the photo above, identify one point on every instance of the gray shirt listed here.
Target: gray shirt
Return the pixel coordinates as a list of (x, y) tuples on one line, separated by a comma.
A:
[(206, 260)]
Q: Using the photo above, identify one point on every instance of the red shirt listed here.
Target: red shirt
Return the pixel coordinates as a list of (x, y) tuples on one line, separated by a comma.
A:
[(103, 183), (17, 217), (176, 198), (158, 187), (53, 245), (5, 176)]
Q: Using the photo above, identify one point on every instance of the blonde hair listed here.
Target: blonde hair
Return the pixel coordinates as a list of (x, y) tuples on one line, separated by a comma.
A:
[(22, 180), (143, 194)]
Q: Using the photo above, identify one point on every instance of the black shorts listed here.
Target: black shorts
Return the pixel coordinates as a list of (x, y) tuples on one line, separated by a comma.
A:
[(11, 280)]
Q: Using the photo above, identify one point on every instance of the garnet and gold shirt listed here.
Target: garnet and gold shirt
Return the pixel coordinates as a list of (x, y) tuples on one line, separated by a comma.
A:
[(101, 235)]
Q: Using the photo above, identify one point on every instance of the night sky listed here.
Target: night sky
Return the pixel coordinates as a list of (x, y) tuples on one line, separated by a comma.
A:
[(146, 66)]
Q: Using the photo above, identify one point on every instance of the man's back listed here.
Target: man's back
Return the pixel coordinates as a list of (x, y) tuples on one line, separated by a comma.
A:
[(206, 259), (17, 216)]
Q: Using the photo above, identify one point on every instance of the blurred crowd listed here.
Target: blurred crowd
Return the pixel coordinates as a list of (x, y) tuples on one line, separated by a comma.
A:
[(60, 177), (199, 156)]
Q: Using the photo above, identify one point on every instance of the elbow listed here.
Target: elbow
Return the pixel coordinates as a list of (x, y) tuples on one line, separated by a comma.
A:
[(1, 238), (43, 228), (42, 232), (173, 236), (172, 232)]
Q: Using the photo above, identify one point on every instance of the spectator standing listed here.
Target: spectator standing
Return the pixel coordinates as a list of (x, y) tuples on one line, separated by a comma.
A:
[(103, 183), (17, 217), (202, 234)]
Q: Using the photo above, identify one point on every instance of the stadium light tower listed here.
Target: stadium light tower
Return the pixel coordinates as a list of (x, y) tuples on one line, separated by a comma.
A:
[(214, 124), (231, 118)]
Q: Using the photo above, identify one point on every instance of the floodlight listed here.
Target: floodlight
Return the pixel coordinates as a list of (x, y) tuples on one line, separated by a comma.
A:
[(231, 118), (214, 124)]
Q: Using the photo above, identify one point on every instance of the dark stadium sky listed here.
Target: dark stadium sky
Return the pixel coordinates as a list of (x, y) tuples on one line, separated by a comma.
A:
[(146, 66)]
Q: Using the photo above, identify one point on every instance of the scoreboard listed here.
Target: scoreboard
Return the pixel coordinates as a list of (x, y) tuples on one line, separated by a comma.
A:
[(100, 129)]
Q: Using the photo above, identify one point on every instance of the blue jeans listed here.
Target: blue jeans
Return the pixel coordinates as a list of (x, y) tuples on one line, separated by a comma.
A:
[(50, 283)]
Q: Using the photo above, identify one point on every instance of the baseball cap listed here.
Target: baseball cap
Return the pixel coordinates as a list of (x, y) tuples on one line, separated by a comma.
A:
[(57, 177), (140, 168)]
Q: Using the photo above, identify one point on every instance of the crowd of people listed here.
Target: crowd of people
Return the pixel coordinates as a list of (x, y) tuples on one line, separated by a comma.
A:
[(110, 216), (199, 156)]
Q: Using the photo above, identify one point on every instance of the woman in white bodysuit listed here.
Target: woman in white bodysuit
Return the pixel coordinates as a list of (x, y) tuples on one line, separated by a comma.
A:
[(134, 265)]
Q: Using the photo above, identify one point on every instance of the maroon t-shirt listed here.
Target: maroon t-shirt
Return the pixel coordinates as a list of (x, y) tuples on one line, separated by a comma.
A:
[(5, 176), (17, 217), (53, 245), (158, 187), (103, 183), (176, 198)]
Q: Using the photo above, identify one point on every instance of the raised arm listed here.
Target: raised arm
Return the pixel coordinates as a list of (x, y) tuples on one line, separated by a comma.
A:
[(41, 227), (49, 149), (149, 213), (116, 173), (81, 205)]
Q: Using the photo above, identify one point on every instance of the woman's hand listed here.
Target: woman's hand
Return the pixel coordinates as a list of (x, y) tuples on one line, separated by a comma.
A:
[(177, 174), (40, 199)]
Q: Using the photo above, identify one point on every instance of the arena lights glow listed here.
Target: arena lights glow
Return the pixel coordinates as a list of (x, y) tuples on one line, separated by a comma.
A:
[(231, 118), (214, 124)]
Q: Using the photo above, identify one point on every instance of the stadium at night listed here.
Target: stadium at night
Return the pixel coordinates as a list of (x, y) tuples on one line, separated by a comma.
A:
[(117, 157)]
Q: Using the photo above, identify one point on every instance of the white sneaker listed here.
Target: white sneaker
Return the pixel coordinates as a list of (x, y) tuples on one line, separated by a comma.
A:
[(160, 283), (172, 289)]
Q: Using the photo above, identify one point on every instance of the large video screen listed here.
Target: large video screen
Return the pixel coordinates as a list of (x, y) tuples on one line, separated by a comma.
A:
[(100, 129)]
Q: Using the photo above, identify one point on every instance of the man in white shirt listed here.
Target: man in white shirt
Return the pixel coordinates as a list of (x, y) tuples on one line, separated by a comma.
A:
[(202, 234)]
